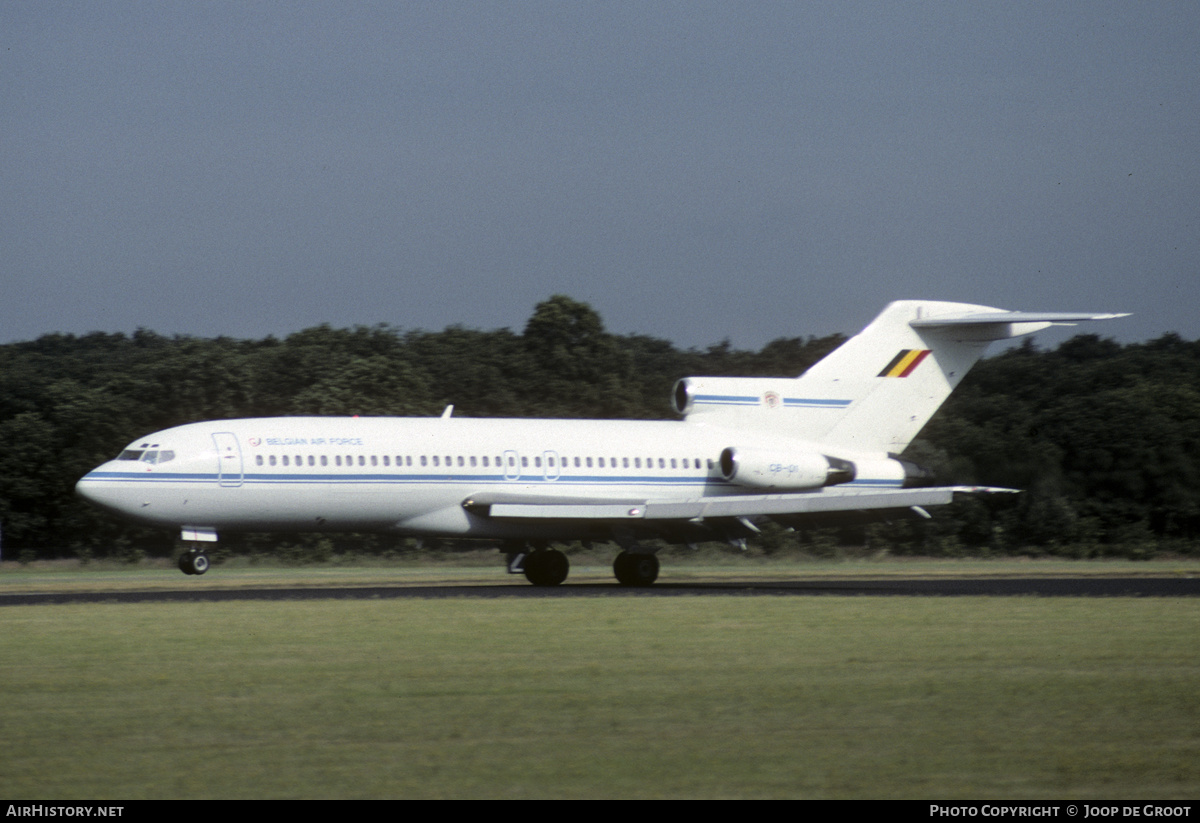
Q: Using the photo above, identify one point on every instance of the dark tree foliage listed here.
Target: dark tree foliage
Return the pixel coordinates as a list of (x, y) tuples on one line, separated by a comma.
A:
[(1104, 438)]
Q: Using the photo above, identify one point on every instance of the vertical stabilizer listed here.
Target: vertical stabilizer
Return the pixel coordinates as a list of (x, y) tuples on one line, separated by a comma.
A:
[(894, 376), (875, 392)]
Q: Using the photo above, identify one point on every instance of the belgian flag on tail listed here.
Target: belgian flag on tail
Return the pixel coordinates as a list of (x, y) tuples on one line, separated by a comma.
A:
[(903, 363)]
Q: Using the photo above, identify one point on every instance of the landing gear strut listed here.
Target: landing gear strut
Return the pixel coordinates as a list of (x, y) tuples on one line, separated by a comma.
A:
[(635, 569), (193, 561)]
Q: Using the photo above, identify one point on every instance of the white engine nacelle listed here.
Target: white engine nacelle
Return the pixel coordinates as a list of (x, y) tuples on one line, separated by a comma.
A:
[(764, 469)]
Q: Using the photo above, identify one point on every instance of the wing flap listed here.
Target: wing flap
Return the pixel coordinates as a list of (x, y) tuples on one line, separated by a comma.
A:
[(830, 500)]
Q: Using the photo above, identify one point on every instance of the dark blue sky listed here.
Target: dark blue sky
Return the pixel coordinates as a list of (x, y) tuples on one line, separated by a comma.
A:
[(696, 171)]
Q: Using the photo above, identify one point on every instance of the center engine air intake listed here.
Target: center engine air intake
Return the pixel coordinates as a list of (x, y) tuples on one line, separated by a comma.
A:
[(763, 469)]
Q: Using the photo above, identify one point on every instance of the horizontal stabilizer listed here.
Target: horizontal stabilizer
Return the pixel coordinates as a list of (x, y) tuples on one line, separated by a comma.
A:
[(977, 318)]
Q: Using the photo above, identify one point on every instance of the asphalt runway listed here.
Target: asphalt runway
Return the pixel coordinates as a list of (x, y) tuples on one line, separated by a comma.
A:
[(929, 587)]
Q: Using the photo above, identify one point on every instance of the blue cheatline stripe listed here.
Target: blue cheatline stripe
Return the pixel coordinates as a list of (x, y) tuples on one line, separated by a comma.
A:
[(401, 479), (725, 400), (788, 402), (442, 479), (815, 403), (154, 478)]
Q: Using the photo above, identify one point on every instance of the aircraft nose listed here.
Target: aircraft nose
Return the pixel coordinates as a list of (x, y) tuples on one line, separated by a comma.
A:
[(98, 492), (85, 487), (88, 488)]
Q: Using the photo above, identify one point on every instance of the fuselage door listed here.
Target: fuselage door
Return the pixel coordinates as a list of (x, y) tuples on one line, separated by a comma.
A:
[(551, 465), (229, 458), (512, 465)]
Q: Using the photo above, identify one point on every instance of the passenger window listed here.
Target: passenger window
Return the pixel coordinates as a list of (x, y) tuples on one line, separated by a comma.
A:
[(435, 460), (460, 461), (525, 462), (258, 459), (537, 462), (337, 458), (485, 461), (589, 462), (324, 460), (637, 462), (472, 461), (423, 460), (271, 460), (374, 460)]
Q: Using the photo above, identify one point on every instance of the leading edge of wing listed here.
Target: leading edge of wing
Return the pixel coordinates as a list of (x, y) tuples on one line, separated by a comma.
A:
[(831, 500)]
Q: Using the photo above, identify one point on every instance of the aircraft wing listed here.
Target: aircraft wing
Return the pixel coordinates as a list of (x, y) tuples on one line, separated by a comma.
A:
[(523, 507)]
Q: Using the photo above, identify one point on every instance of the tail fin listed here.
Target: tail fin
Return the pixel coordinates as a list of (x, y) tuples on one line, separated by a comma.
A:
[(877, 390)]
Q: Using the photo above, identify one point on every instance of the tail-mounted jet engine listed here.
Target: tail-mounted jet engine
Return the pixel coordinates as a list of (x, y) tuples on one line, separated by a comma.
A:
[(767, 469)]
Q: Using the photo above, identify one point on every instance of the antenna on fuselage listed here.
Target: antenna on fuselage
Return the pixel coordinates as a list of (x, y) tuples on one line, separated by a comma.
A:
[(449, 411)]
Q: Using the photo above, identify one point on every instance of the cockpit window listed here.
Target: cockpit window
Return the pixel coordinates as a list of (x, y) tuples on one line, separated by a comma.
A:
[(151, 456)]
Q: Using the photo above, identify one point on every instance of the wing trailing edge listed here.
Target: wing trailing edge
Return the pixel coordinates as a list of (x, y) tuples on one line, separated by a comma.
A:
[(536, 507)]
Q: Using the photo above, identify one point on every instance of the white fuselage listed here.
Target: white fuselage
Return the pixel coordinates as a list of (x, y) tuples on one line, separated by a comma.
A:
[(412, 475)]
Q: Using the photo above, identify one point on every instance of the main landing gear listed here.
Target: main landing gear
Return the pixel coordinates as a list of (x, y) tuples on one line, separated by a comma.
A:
[(541, 565), (546, 567), (549, 567), (635, 569), (193, 561)]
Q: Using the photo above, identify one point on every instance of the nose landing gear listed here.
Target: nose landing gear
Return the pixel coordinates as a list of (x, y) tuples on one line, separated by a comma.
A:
[(193, 561)]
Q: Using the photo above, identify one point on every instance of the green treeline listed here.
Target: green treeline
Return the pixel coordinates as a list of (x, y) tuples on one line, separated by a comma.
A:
[(1104, 438)]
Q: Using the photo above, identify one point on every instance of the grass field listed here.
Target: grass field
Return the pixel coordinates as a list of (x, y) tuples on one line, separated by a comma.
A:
[(605, 697)]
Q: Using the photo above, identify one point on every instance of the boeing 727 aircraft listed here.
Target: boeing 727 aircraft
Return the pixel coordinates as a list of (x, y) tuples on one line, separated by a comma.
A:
[(789, 449)]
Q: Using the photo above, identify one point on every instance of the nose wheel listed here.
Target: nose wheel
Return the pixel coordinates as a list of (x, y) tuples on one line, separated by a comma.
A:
[(193, 561)]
